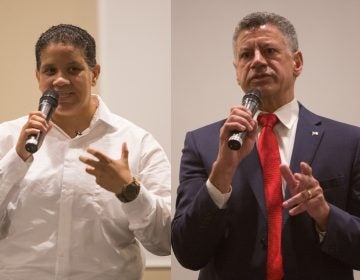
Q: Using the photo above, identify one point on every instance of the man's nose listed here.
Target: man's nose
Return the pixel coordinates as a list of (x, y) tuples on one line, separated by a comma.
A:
[(258, 60)]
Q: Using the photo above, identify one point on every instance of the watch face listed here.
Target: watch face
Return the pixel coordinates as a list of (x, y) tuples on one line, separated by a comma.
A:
[(131, 191)]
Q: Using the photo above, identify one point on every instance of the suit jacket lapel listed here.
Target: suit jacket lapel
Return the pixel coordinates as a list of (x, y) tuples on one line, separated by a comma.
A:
[(308, 136)]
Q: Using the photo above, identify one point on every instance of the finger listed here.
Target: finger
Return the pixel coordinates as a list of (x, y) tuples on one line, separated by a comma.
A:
[(37, 122), (306, 169), (88, 161), (31, 131), (298, 209), (287, 174), (291, 182), (305, 181), (298, 199), (240, 110), (90, 170), (311, 201), (124, 152), (253, 133), (240, 122), (37, 113), (98, 155), (304, 197), (233, 126), (241, 117)]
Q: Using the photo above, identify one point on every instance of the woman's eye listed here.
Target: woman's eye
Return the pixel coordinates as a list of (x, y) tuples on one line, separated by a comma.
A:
[(49, 71), (74, 70)]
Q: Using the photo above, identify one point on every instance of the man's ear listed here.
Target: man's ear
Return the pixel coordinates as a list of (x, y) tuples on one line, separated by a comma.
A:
[(298, 63)]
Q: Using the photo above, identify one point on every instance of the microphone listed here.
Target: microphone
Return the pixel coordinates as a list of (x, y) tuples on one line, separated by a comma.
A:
[(47, 104), (251, 101)]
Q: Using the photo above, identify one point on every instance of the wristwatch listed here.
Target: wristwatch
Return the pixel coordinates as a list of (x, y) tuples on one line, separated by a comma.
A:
[(129, 191)]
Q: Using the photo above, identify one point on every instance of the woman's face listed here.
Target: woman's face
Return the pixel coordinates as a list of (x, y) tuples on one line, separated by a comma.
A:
[(63, 68)]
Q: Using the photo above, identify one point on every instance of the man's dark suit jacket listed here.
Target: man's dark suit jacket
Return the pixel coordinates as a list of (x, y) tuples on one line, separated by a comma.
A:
[(232, 243)]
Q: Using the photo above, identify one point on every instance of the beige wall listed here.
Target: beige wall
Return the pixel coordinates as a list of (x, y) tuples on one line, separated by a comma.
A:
[(21, 23), (157, 274)]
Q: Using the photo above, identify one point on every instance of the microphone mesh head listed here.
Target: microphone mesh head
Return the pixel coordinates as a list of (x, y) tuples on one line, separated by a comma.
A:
[(50, 96), (253, 94)]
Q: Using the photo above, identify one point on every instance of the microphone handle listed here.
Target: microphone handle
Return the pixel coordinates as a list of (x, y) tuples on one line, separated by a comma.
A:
[(34, 140), (235, 140), (237, 137)]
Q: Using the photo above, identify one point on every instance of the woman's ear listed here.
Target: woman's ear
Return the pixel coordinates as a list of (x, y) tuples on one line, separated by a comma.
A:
[(96, 73)]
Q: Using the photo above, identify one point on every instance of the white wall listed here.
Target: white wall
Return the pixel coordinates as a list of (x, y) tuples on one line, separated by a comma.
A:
[(134, 52), (203, 78)]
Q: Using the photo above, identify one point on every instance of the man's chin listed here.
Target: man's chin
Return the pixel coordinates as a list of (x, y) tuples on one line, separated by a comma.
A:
[(263, 87)]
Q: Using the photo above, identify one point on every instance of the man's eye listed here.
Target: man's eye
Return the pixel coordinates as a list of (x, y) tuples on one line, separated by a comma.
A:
[(245, 55), (270, 51)]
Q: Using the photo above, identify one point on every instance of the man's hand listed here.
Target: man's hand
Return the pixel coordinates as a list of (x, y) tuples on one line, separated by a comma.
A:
[(224, 167), (307, 195), (109, 173)]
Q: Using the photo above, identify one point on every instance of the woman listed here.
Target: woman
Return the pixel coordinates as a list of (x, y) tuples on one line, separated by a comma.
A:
[(64, 219)]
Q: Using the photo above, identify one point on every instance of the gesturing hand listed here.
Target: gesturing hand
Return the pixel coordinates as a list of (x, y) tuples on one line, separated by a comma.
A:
[(307, 195), (110, 174)]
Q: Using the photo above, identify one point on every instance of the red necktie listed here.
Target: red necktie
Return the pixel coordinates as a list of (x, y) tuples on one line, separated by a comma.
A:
[(270, 162)]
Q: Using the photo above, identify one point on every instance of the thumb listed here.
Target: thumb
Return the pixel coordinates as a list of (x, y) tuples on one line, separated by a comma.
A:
[(124, 152)]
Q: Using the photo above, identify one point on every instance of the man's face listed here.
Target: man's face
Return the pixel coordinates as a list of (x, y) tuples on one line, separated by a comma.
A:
[(264, 61)]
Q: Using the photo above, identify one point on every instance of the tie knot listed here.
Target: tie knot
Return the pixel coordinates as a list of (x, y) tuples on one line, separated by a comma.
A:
[(267, 120)]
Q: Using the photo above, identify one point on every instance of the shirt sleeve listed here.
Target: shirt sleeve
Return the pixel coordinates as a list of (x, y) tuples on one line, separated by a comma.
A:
[(219, 198), (149, 214), (12, 171)]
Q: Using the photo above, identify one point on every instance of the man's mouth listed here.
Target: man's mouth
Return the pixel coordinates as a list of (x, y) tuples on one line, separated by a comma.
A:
[(260, 77)]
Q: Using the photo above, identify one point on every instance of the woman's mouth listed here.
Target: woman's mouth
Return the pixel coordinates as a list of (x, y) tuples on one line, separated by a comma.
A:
[(63, 96)]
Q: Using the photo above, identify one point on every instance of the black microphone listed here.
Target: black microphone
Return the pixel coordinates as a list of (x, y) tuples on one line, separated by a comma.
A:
[(47, 104), (251, 101)]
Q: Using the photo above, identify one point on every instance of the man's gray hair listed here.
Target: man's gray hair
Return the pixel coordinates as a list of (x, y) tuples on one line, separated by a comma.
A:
[(257, 19)]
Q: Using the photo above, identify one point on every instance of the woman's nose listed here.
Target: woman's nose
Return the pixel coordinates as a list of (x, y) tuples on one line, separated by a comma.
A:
[(60, 81)]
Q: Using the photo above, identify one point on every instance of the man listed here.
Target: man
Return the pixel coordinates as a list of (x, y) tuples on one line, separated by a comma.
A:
[(229, 223)]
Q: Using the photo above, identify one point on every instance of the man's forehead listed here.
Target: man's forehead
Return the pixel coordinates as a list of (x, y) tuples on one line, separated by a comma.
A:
[(266, 32), (267, 28)]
